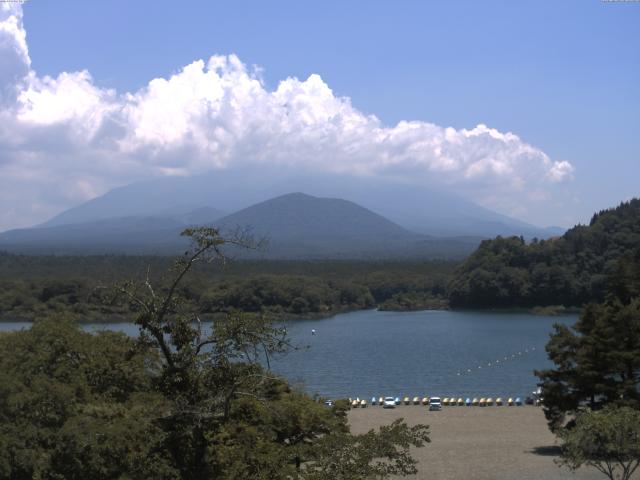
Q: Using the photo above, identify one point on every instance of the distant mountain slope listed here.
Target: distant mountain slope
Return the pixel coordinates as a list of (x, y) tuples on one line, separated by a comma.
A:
[(301, 225), (133, 234), (296, 226), (568, 270), (300, 215), (420, 209)]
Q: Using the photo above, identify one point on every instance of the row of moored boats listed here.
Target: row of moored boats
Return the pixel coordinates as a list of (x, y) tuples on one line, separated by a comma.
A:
[(447, 401)]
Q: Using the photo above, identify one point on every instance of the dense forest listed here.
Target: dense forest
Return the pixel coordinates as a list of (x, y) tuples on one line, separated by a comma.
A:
[(36, 286), (503, 273), (570, 270)]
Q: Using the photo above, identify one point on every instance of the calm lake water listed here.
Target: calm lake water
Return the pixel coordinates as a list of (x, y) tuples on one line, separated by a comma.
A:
[(367, 353)]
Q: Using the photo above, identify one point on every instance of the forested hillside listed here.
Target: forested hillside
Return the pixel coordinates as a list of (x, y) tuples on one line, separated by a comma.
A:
[(37, 286), (569, 270)]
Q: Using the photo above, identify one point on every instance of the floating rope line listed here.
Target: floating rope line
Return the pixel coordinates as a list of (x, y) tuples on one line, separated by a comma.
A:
[(497, 362)]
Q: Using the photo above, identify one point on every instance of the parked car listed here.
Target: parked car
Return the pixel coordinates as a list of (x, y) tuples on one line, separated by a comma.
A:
[(435, 404), (389, 402)]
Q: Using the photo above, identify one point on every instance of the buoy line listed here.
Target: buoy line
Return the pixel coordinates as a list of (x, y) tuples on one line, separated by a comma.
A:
[(496, 363)]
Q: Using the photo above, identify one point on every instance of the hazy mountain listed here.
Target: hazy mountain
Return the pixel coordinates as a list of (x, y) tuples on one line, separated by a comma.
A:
[(299, 225), (295, 225), (421, 209), (132, 234), (199, 216)]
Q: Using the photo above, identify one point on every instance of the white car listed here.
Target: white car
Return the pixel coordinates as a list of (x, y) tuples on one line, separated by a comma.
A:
[(389, 402), (435, 404)]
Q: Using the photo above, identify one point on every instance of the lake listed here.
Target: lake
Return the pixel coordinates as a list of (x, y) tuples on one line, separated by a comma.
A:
[(373, 353)]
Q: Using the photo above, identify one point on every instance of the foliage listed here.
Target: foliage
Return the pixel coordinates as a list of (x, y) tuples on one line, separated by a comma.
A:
[(570, 270), (608, 440), (341, 457), (37, 286), (75, 405), (597, 361), (414, 301), (179, 402)]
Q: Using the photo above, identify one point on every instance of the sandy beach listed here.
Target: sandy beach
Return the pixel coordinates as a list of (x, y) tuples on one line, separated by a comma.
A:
[(478, 443)]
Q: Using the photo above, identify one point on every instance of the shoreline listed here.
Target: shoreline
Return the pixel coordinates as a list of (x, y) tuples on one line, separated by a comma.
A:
[(290, 317)]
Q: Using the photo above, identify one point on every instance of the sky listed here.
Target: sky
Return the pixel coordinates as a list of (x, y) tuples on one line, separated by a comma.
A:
[(531, 109)]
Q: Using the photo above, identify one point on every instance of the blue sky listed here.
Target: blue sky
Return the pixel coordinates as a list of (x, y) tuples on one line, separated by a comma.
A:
[(562, 76)]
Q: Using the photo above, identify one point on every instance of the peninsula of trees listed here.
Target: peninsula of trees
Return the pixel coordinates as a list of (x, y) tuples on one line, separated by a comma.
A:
[(570, 270)]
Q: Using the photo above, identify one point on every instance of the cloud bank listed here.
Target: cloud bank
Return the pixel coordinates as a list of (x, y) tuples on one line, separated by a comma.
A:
[(65, 139)]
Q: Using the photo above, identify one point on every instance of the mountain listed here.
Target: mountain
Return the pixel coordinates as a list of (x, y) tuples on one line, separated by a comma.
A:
[(300, 225), (131, 234), (295, 225), (425, 210)]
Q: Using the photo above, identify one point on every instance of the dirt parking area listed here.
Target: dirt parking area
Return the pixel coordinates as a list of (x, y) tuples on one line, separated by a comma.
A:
[(510, 443)]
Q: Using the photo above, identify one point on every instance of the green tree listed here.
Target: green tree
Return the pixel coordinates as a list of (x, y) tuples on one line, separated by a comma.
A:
[(608, 440), (182, 401), (370, 455), (76, 405), (597, 361)]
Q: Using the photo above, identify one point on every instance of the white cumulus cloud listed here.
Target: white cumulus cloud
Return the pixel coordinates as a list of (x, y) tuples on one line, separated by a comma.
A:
[(64, 139)]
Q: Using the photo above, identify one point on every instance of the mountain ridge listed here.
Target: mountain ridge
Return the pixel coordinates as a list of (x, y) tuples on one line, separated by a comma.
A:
[(424, 210), (297, 225)]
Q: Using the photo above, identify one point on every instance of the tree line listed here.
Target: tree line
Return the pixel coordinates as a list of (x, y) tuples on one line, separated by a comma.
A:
[(31, 287), (591, 395), (570, 270)]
